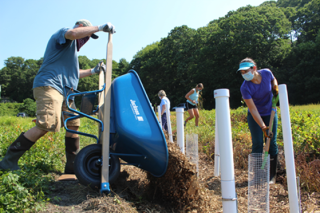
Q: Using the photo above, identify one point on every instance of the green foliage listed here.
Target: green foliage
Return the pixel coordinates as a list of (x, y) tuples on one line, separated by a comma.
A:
[(20, 191), (29, 106), (292, 3), (27, 190), (7, 109), (308, 21), (17, 77), (211, 54), (305, 130)]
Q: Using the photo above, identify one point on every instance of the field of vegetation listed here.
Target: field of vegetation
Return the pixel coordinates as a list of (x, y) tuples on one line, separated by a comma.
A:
[(32, 189)]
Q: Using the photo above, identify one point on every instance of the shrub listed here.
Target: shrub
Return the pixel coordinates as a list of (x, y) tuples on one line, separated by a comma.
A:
[(9, 109), (28, 106)]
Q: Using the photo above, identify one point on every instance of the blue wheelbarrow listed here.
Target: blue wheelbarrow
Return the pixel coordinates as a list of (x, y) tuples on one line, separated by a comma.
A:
[(134, 135)]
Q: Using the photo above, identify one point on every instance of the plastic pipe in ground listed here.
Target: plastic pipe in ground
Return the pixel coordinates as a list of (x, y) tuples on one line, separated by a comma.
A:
[(288, 149), (228, 187), (159, 115), (180, 128), (169, 123), (216, 151)]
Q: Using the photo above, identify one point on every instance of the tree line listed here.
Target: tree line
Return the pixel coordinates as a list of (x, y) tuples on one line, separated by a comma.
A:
[(283, 36)]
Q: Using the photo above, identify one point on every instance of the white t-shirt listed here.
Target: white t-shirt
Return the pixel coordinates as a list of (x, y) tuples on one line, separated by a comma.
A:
[(165, 100)]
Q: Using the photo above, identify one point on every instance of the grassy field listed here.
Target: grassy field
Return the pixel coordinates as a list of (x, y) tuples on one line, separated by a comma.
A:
[(27, 190)]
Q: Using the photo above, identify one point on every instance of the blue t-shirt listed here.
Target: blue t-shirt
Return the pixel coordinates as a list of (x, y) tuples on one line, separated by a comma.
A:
[(261, 94), (194, 96), (60, 66)]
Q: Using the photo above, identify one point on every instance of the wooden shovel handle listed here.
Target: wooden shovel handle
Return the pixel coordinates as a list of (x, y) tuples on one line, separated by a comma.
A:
[(273, 112)]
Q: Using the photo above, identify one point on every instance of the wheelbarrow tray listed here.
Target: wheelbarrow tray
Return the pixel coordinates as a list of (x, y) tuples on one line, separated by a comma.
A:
[(138, 138)]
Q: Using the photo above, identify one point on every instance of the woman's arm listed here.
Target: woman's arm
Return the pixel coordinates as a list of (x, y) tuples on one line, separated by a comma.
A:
[(163, 109), (254, 112), (274, 82), (188, 94)]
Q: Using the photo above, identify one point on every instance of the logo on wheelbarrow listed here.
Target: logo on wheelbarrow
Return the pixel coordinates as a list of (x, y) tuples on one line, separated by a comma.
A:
[(135, 110)]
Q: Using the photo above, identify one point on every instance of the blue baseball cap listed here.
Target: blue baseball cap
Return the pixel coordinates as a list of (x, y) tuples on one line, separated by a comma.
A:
[(245, 66)]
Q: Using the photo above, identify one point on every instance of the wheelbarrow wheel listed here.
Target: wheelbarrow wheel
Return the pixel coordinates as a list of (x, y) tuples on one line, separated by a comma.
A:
[(87, 166)]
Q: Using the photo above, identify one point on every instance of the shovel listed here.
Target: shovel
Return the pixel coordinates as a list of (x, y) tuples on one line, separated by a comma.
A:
[(273, 112)]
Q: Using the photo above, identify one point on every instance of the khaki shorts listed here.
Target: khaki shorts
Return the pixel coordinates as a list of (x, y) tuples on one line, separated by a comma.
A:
[(50, 104)]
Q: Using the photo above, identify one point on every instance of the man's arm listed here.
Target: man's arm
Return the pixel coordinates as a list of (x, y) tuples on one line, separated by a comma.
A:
[(85, 73), (80, 32), (100, 67)]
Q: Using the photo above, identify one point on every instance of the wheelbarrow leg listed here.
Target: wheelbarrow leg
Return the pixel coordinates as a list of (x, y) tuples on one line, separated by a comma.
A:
[(106, 121)]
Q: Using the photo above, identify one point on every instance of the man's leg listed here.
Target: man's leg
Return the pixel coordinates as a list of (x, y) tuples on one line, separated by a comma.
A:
[(45, 119), (72, 140), (19, 147), (34, 134)]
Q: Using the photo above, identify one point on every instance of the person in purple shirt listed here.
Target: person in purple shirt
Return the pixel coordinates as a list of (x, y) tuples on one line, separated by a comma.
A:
[(60, 69), (257, 90)]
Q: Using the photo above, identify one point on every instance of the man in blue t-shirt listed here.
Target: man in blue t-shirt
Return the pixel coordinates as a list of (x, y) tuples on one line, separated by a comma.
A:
[(60, 69)]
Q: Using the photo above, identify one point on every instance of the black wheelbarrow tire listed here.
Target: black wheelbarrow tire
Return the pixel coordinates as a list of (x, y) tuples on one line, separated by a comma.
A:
[(87, 166)]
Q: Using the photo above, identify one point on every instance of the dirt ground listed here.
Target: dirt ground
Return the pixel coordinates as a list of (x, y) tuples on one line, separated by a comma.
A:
[(131, 193)]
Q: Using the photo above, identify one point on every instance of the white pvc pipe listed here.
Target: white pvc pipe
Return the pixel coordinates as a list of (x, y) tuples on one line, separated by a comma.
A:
[(288, 149), (159, 115), (228, 187), (180, 128), (169, 123), (216, 150)]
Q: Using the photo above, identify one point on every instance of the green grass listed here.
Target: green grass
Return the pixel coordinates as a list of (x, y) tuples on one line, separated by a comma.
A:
[(309, 107), (27, 190)]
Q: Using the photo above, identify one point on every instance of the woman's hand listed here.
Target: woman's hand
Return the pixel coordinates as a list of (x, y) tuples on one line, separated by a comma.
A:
[(264, 130)]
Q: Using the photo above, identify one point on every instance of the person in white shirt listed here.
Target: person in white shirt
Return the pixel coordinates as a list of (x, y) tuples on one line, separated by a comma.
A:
[(164, 100)]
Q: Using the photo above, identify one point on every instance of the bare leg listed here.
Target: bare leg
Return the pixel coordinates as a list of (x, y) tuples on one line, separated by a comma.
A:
[(196, 113), (34, 134), (190, 111), (70, 134)]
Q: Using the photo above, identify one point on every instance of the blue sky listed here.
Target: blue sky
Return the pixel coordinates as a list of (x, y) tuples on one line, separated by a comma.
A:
[(26, 26)]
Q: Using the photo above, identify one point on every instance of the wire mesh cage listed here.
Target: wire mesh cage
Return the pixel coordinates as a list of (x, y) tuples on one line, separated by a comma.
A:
[(192, 150), (258, 183)]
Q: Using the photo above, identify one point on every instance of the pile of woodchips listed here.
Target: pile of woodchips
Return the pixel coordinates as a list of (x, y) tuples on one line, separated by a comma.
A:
[(179, 185)]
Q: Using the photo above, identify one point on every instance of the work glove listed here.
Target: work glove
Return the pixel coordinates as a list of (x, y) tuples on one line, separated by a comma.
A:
[(100, 66), (108, 27), (275, 90), (264, 130)]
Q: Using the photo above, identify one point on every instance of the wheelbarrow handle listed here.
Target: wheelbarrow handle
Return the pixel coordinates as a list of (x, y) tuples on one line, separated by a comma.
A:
[(106, 119)]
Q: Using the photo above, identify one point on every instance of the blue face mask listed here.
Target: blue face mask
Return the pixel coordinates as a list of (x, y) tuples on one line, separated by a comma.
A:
[(248, 76)]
